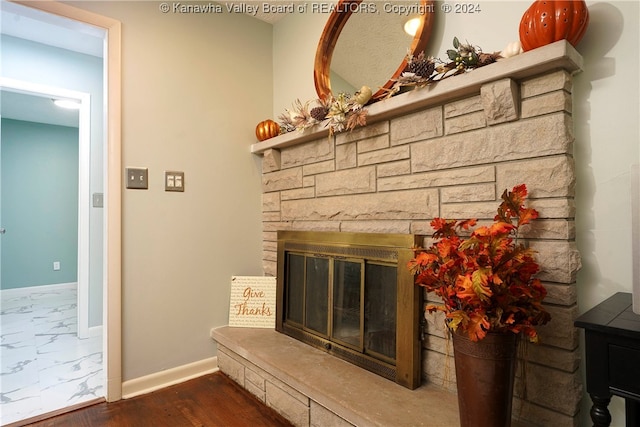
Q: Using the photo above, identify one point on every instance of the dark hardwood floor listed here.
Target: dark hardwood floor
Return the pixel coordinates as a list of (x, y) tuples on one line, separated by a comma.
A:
[(211, 400)]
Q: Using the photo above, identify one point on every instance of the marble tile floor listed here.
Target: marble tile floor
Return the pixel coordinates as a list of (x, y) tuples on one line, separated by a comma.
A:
[(43, 365)]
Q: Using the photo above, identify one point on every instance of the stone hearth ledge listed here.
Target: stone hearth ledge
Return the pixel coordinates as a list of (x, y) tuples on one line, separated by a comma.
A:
[(354, 394), (558, 55)]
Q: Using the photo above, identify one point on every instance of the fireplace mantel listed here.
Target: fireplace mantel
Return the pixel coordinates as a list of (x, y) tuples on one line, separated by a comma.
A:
[(558, 55)]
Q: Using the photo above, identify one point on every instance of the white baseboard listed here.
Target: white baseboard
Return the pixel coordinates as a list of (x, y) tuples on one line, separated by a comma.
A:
[(19, 292), (172, 376), (93, 331)]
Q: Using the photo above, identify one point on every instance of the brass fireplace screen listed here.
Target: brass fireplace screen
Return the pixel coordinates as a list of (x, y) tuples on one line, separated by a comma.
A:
[(351, 294)]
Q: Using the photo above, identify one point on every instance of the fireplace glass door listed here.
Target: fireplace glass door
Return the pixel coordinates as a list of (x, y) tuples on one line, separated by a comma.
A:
[(380, 312), (315, 292), (351, 295), (350, 302), (347, 300)]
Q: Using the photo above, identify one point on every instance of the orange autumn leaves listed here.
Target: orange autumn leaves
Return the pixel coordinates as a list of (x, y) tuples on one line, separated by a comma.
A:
[(486, 281)]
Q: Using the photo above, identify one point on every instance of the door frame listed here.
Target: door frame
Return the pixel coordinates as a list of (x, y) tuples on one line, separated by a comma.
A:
[(84, 197), (112, 278)]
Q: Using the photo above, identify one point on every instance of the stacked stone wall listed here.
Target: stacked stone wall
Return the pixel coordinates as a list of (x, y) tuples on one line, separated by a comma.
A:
[(454, 160)]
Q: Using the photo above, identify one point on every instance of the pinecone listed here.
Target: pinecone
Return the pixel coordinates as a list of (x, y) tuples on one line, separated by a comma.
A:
[(421, 66), (319, 113)]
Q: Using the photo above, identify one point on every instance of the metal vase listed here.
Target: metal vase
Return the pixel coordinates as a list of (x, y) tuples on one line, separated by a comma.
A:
[(485, 372)]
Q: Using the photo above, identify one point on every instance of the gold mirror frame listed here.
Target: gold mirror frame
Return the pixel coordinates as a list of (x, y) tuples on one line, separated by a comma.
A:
[(332, 30)]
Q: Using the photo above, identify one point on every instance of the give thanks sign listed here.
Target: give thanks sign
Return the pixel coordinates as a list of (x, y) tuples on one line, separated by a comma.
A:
[(253, 302)]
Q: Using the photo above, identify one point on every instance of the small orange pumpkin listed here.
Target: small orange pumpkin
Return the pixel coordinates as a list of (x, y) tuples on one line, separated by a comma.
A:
[(547, 21), (267, 129)]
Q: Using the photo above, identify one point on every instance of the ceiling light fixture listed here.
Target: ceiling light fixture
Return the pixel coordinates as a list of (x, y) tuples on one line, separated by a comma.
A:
[(411, 26), (67, 103)]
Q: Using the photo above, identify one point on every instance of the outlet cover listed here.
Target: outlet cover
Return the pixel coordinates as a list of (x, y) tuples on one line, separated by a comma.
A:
[(56, 265), (137, 178)]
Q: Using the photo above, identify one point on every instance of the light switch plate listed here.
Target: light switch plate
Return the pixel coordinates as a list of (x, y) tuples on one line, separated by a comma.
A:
[(137, 178), (173, 181)]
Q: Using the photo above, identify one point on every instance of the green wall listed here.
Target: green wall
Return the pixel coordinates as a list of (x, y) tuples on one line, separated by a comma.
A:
[(39, 203)]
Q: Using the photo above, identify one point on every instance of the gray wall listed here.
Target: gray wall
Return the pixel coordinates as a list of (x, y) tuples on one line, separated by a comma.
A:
[(194, 86)]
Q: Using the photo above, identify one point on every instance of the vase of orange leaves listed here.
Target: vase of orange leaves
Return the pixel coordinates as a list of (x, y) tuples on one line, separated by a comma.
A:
[(490, 297)]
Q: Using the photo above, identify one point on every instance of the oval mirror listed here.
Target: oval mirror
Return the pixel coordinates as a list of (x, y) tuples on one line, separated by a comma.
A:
[(365, 44)]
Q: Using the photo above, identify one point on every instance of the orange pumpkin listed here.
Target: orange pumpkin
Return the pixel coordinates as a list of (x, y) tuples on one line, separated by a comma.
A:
[(547, 21), (267, 129)]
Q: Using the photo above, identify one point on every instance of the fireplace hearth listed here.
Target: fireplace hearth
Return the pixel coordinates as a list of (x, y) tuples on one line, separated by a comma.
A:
[(351, 295)]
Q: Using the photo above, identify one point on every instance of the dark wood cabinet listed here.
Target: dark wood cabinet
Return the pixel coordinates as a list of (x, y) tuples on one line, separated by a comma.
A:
[(612, 353)]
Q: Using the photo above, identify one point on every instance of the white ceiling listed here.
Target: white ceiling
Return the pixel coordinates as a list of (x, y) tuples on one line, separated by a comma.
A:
[(271, 18)]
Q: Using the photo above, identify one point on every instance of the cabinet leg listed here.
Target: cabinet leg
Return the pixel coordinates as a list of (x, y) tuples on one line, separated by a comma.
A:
[(599, 411)]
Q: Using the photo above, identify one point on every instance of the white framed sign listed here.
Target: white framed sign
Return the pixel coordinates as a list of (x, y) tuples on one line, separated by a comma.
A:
[(253, 302)]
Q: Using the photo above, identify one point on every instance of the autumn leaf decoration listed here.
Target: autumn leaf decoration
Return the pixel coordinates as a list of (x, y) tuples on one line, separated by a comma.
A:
[(486, 281)]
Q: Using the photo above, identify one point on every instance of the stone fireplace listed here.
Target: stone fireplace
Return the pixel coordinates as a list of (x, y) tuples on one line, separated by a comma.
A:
[(448, 150)]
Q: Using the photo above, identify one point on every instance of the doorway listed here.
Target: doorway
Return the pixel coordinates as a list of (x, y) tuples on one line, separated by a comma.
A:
[(32, 103), (111, 273), (45, 175)]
